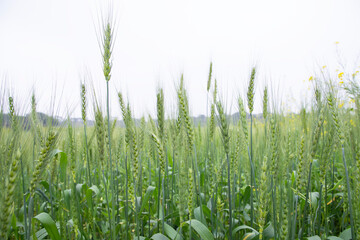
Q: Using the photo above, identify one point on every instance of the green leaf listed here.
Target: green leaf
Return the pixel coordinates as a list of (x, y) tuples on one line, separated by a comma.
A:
[(207, 213), (42, 195), (80, 187), (54, 152), (49, 225), (249, 236), (95, 189), (171, 232), (14, 225), (246, 195), (334, 238), (63, 164), (201, 229), (313, 199), (269, 231), (293, 178), (31, 209), (244, 227), (346, 235), (159, 236), (67, 197), (41, 234), (90, 192), (70, 223), (145, 200), (316, 237), (45, 184), (199, 216)]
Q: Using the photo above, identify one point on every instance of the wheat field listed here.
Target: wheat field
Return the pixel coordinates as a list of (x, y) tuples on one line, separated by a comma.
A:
[(274, 175)]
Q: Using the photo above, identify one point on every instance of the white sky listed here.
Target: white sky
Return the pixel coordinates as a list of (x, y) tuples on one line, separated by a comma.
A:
[(49, 45)]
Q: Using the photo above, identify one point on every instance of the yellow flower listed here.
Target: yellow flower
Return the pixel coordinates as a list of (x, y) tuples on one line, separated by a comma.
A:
[(341, 104), (311, 78), (352, 101), (341, 82), (337, 42), (323, 67), (352, 123), (340, 75)]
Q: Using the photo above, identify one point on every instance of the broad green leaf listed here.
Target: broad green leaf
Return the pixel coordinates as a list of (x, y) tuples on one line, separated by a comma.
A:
[(95, 189), (199, 216), (34, 235), (201, 229), (244, 227), (80, 187), (43, 207), (49, 225), (316, 237), (171, 232), (67, 197), (45, 184), (207, 213), (54, 152), (314, 198), (41, 234), (159, 236), (145, 200), (346, 234), (334, 238), (138, 201), (246, 195), (249, 236), (269, 231), (140, 238)]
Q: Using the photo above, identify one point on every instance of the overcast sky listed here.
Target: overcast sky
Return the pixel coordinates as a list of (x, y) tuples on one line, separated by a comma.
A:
[(50, 46)]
